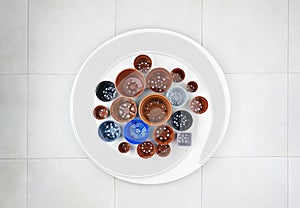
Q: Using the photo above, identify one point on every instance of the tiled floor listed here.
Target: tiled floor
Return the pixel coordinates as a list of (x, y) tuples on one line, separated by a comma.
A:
[(43, 44)]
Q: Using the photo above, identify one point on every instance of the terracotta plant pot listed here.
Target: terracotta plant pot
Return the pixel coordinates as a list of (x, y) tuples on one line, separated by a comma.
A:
[(199, 105), (130, 83), (146, 149), (142, 63), (155, 109), (163, 134), (123, 109), (163, 150), (100, 112), (124, 147), (178, 75), (159, 80), (192, 86)]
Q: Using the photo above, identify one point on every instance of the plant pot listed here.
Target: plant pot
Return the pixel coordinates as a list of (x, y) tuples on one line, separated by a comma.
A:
[(130, 83), (123, 109), (155, 109), (159, 80)]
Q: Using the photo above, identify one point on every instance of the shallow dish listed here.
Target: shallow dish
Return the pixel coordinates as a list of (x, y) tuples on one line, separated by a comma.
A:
[(162, 46)]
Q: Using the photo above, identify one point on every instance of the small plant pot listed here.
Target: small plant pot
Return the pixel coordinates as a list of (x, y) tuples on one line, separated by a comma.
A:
[(130, 83), (124, 147), (146, 149), (192, 86), (163, 134), (163, 150), (100, 112), (178, 75), (159, 80), (109, 131), (123, 109), (136, 131), (142, 63), (177, 96), (106, 91), (182, 120), (199, 105), (155, 109)]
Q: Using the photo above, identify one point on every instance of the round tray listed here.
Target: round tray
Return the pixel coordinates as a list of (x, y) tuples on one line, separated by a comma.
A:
[(169, 50)]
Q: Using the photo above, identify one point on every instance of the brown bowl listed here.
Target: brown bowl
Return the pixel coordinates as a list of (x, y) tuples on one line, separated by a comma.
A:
[(123, 109), (155, 109), (100, 112), (178, 75), (199, 105), (192, 86), (159, 80), (130, 83), (163, 134), (142, 63)]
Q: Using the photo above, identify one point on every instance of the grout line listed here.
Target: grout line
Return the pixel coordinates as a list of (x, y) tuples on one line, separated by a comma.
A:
[(247, 157), (115, 192), (115, 32), (13, 158), (75, 73), (27, 110), (288, 102), (58, 158), (235, 73), (201, 191), (86, 158), (53, 73), (202, 42)]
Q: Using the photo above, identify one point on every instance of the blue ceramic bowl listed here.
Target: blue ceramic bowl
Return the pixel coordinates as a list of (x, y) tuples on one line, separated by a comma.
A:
[(109, 131), (136, 131)]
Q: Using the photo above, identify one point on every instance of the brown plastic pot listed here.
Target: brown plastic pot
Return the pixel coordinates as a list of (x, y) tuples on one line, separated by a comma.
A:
[(130, 83), (192, 86), (146, 149), (178, 75), (163, 134), (155, 109), (163, 150), (142, 63), (123, 109), (100, 112), (159, 80), (199, 105)]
